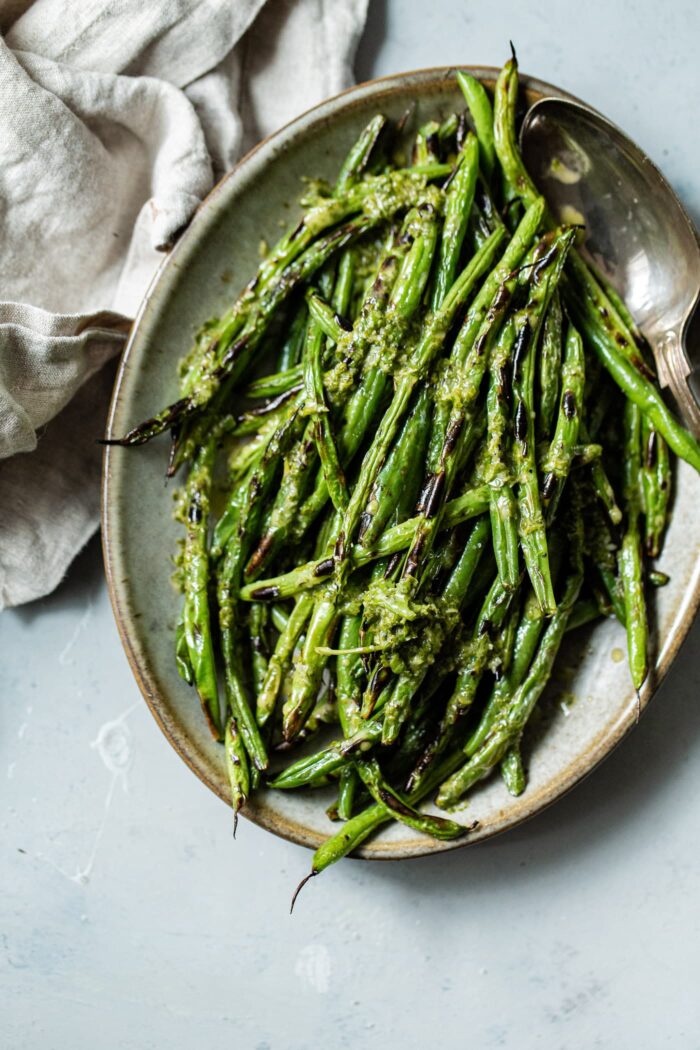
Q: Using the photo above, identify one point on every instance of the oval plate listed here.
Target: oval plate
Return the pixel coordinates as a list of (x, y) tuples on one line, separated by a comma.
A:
[(590, 704)]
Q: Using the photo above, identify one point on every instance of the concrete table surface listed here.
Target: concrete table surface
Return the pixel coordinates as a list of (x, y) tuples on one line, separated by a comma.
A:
[(129, 917)]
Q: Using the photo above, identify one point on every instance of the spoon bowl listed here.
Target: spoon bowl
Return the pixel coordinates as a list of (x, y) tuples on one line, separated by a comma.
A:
[(638, 235)]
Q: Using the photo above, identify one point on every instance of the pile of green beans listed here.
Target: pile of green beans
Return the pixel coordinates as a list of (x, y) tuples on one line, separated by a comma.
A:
[(461, 453)]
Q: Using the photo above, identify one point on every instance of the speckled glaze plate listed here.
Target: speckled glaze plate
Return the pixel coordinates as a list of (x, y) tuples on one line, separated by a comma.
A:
[(590, 705)]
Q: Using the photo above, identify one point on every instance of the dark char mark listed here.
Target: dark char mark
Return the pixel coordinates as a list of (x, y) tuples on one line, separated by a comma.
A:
[(265, 594), (364, 524), (548, 486), (544, 263), (650, 453), (568, 404), (522, 343), (521, 422), (260, 554), (434, 497), (194, 514), (325, 567)]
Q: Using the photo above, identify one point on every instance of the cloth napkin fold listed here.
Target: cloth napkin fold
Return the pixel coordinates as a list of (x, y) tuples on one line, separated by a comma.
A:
[(116, 118)]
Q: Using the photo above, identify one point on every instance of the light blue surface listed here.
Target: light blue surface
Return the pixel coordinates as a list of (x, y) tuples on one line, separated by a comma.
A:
[(129, 917)]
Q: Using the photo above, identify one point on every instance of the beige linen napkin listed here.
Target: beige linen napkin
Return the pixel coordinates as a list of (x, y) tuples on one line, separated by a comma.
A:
[(116, 117)]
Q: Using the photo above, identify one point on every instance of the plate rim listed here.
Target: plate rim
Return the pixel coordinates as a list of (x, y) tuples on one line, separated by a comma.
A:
[(258, 812)]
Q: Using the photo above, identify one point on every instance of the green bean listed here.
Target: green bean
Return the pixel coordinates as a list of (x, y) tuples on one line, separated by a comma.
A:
[(349, 697), (280, 658), (613, 589), (412, 276), (447, 133), (508, 729), (347, 839), (630, 557), (503, 506), (635, 386), (296, 258), (236, 768), (347, 791), (513, 771), (427, 143), (470, 504), (559, 458), (455, 428), (275, 385), (230, 630), (287, 514), (359, 156), (505, 139), (656, 487), (619, 305), (458, 204), (453, 595), (322, 429), (504, 644), (239, 353), (527, 636), (327, 320), (344, 283), (279, 618), (399, 478), (331, 758), (197, 620), (349, 689), (458, 433), (405, 297), (392, 189), (533, 539), (384, 794), (477, 313), (474, 665), (182, 655), (481, 112), (549, 367), (258, 488), (585, 611), (594, 314), (363, 824), (421, 358), (290, 351), (601, 482), (258, 619)]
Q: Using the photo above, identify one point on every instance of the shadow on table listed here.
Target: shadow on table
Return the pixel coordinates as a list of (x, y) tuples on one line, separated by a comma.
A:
[(80, 587), (614, 798), (371, 41)]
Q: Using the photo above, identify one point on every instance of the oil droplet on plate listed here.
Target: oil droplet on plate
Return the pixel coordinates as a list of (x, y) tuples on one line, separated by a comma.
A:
[(617, 655)]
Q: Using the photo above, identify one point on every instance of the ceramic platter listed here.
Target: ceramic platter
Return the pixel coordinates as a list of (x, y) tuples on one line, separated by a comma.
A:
[(590, 705)]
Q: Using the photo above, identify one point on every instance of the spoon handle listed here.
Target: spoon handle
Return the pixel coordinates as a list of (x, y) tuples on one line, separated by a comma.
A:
[(674, 369)]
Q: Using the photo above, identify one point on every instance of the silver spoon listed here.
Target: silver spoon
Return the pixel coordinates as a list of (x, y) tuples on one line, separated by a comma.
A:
[(637, 233)]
